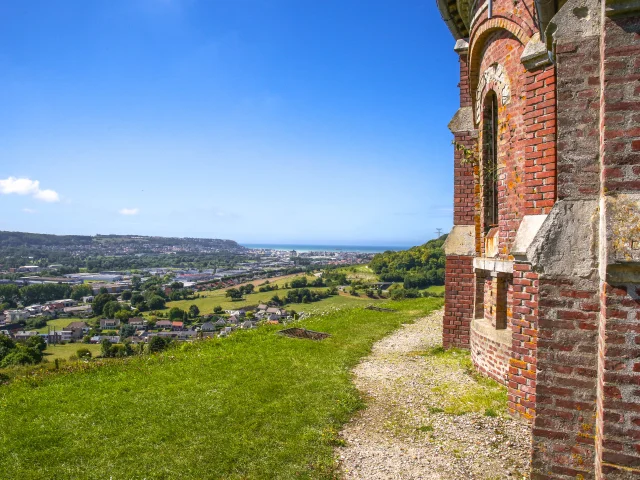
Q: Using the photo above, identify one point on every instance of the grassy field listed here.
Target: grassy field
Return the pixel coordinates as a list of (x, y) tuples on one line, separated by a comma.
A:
[(209, 300), (63, 352), (359, 272), (59, 324), (437, 289), (256, 405)]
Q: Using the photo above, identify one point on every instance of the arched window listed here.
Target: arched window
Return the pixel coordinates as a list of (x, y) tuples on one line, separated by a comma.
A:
[(490, 160)]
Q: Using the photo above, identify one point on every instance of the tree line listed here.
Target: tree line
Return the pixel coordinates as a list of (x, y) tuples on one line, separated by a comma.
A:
[(418, 267)]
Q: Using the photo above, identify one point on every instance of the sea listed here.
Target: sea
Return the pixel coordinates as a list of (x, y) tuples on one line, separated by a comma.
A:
[(327, 248)]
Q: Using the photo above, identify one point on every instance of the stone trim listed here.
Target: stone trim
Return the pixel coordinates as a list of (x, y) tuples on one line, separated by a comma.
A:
[(529, 227), (535, 54), (460, 241), (461, 46), (462, 120), (493, 265)]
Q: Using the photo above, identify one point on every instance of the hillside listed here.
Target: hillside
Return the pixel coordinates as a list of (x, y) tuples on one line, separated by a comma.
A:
[(418, 267), (256, 405)]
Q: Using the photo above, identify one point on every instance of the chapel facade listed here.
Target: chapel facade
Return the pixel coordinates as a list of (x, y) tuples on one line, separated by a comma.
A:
[(543, 262)]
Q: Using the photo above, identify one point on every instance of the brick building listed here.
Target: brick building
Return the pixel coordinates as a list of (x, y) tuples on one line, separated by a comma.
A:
[(543, 261)]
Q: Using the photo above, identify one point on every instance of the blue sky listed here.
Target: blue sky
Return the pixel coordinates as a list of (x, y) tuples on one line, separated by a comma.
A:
[(297, 121)]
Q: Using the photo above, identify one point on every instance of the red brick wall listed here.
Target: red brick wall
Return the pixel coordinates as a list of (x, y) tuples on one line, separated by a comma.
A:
[(540, 145), (464, 185), (619, 402), (621, 106), (564, 425), (524, 325), (618, 437), (490, 356), (503, 48), (458, 307)]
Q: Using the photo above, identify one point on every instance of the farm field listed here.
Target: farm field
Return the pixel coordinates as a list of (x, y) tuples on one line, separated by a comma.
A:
[(359, 272), (436, 289), (255, 405)]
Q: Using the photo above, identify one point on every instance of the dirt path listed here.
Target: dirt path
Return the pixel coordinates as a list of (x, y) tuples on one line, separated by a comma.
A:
[(403, 434)]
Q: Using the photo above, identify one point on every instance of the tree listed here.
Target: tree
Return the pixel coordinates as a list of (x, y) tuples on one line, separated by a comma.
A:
[(194, 311), (234, 294), (37, 342), (123, 314), (299, 282), (22, 355), (110, 309), (176, 313), (156, 302), (127, 331), (79, 291), (100, 301), (217, 309), (136, 282), (126, 295), (106, 347), (157, 344)]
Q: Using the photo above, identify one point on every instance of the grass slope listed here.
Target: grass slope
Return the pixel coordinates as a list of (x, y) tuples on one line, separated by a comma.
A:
[(256, 405), (209, 300)]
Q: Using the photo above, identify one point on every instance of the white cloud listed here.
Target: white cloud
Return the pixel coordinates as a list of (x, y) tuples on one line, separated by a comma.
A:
[(28, 210), (26, 186), (129, 211)]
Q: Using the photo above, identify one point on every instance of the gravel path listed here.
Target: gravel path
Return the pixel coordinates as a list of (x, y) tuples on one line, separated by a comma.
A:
[(402, 435)]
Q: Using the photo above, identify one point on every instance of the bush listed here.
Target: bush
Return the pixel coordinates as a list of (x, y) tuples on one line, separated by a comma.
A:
[(83, 353), (157, 344)]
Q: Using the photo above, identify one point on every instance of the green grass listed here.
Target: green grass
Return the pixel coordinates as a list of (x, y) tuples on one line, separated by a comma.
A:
[(209, 300), (476, 394), (253, 406), (436, 289), (63, 352), (359, 272), (59, 324)]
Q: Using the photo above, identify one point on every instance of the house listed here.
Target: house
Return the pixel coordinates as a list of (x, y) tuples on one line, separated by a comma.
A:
[(163, 324), (221, 323), (14, 316), (100, 338), (187, 335), (77, 329), (262, 306), (23, 336), (208, 327), (81, 311), (248, 324), (177, 326), (138, 323), (87, 299), (109, 323)]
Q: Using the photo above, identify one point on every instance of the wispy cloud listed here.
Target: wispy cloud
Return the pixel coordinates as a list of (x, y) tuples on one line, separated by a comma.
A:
[(29, 210), (26, 186), (129, 211)]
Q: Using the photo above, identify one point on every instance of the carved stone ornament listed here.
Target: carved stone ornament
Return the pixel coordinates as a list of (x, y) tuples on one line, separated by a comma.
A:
[(494, 77)]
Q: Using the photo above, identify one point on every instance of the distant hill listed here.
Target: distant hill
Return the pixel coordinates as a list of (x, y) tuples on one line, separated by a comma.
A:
[(114, 252), (138, 242), (418, 267)]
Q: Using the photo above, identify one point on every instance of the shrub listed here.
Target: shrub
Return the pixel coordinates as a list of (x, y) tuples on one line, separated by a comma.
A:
[(83, 353)]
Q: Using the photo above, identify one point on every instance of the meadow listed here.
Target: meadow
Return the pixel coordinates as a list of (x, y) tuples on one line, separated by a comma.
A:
[(255, 405), (63, 352), (209, 300)]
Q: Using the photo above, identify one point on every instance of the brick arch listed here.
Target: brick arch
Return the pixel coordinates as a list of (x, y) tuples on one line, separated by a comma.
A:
[(478, 40)]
